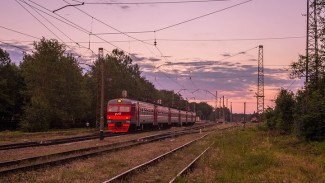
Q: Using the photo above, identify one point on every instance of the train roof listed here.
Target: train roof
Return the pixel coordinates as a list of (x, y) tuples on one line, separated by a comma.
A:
[(122, 101), (130, 101)]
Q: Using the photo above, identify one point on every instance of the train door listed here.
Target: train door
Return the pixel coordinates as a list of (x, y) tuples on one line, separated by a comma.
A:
[(138, 114), (155, 116), (169, 116), (179, 118)]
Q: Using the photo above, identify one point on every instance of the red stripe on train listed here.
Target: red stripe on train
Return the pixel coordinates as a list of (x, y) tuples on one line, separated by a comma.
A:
[(119, 117)]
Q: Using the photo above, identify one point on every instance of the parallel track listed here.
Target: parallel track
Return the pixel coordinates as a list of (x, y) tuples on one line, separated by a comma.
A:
[(125, 175), (88, 152), (62, 140)]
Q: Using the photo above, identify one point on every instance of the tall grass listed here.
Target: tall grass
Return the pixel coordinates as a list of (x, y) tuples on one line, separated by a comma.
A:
[(256, 155)]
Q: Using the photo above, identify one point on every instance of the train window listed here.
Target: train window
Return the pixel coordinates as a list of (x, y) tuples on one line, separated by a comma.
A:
[(112, 108), (124, 108)]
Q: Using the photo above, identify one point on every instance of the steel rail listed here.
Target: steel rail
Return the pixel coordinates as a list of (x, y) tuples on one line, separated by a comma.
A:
[(189, 166), (19, 161), (150, 162), (62, 140), (136, 142)]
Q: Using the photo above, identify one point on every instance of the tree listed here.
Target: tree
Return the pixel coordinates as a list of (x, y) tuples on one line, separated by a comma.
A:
[(309, 124), (204, 110), (281, 118), (11, 84), (55, 87)]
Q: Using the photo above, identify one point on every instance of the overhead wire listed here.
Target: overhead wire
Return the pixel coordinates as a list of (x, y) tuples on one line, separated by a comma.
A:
[(69, 22), (120, 32), (153, 2), (16, 46), (107, 24), (199, 17), (19, 32), (38, 20), (71, 48)]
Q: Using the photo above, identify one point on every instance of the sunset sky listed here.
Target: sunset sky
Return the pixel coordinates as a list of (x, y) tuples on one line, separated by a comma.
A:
[(201, 46)]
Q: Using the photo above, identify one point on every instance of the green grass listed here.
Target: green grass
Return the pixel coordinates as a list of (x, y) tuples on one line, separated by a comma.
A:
[(19, 136), (256, 155)]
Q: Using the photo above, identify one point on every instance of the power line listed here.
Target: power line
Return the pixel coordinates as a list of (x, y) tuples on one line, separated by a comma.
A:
[(15, 46), (38, 20), (63, 34), (157, 2), (185, 40), (239, 53), (19, 32), (233, 39), (70, 23), (192, 19), (63, 20), (107, 24)]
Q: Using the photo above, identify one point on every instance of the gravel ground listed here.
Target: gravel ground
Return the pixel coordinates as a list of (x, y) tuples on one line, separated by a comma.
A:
[(100, 168)]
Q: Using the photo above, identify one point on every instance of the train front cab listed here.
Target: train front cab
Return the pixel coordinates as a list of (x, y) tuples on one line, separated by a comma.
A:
[(118, 116)]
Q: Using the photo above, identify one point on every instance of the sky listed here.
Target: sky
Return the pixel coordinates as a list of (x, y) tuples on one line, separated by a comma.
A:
[(201, 47)]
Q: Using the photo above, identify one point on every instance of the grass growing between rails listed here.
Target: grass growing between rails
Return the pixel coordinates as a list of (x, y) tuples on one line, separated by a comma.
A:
[(7, 137), (254, 155)]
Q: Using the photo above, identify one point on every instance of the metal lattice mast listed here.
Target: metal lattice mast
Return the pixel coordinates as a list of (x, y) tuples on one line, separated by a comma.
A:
[(260, 83), (312, 43)]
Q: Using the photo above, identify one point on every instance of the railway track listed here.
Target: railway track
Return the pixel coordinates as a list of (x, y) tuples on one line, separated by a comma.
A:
[(52, 141), (124, 175), (67, 156), (189, 166), (62, 140)]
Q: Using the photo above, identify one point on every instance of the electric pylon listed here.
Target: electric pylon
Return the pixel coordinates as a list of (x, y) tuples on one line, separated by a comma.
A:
[(260, 83)]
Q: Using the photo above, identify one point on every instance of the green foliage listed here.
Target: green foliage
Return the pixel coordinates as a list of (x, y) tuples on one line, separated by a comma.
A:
[(121, 74), (204, 110), (281, 118), (12, 85), (310, 124), (55, 87)]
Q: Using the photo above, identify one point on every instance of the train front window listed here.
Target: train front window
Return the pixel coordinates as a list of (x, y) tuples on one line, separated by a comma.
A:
[(124, 108), (112, 108)]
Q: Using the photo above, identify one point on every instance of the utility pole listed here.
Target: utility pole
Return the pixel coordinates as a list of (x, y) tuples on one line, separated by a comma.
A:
[(220, 108), (97, 101), (173, 99), (194, 106), (101, 59), (226, 103), (216, 103), (230, 111), (226, 109), (260, 83), (244, 112), (223, 108)]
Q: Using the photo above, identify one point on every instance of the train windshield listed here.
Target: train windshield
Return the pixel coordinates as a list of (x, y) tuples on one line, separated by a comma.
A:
[(112, 108), (124, 108)]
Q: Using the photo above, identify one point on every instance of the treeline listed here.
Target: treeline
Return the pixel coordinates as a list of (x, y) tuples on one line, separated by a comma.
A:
[(292, 115), (303, 113), (50, 90)]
